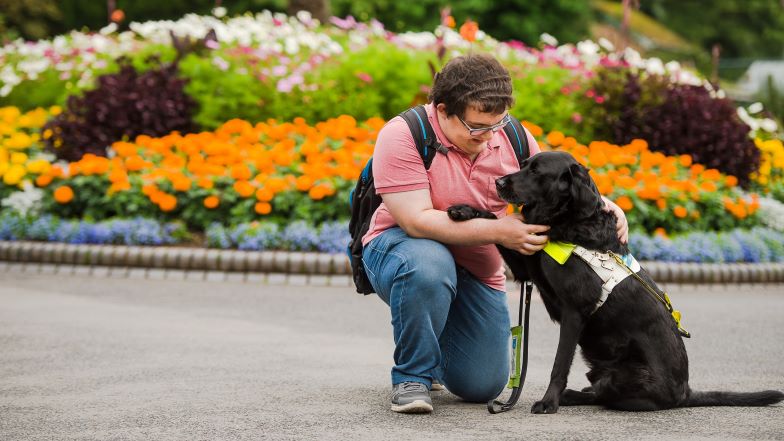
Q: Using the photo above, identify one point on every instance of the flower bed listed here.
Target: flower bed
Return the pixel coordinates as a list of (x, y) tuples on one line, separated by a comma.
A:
[(739, 245), (265, 179)]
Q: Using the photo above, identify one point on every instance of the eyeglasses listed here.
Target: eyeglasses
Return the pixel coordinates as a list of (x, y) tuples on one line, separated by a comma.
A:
[(482, 130)]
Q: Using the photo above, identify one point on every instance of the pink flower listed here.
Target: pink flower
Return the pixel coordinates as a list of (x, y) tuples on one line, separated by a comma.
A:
[(577, 118), (365, 77), (599, 99), (345, 24), (590, 93)]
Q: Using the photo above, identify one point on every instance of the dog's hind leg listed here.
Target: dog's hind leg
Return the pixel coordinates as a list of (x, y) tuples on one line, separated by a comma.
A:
[(571, 397)]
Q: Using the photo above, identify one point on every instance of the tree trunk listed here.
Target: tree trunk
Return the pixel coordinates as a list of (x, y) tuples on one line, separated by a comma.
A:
[(319, 9)]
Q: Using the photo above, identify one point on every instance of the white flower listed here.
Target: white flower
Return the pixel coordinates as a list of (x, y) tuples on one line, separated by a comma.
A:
[(755, 108), (768, 125), (588, 47), (654, 66), (673, 66), (606, 44), (748, 120), (771, 213), (548, 39), (219, 12), (108, 29), (27, 201)]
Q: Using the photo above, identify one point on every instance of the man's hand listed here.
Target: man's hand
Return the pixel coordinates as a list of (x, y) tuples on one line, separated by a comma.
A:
[(622, 225), (518, 236)]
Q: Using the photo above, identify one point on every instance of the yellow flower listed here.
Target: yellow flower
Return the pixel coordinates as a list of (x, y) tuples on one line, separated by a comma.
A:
[(19, 141), (18, 158), (14, 174), (38, 166)]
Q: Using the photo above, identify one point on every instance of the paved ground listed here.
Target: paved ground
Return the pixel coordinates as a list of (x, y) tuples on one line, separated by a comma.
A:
[(104, 358)]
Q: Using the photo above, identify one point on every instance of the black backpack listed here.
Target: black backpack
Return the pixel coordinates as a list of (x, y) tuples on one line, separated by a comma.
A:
[(363, 200)]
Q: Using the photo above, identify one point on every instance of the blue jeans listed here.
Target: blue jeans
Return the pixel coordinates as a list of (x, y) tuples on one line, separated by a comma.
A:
[(448, 326)]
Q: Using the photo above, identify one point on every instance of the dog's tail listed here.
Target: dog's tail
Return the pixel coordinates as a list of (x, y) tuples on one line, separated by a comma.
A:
[(764, 398)]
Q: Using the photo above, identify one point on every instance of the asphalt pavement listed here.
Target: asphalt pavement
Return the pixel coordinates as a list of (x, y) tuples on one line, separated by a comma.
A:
[(104, 358)]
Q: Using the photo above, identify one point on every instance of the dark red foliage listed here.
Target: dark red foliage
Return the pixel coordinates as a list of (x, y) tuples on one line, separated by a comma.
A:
[(124, 105), (690, 121)]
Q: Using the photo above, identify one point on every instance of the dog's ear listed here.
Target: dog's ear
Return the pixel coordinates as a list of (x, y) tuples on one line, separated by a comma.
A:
[(585, 195)]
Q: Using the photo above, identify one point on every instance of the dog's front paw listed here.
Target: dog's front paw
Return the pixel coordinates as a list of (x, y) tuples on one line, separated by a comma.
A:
[(544, 407), (460, 213)]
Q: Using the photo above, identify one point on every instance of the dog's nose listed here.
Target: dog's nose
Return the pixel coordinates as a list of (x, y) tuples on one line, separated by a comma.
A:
[(500, 183)]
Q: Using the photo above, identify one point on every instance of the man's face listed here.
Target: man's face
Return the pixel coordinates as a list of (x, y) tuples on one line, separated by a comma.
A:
[(470, 133)]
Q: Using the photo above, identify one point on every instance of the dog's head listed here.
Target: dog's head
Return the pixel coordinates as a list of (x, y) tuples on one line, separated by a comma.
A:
[(552, 187)]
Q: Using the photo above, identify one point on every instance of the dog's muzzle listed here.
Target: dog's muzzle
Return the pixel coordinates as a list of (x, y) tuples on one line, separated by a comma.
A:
[(504, 188)]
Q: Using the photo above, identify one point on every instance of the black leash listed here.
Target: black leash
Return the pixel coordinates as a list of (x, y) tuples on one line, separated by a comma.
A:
[(517, 374)]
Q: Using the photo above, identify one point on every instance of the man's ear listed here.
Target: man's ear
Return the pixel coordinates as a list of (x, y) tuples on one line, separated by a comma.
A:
[(585, 195)]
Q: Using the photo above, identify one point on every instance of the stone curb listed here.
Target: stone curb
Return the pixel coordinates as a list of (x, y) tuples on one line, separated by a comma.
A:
[(309, 263)]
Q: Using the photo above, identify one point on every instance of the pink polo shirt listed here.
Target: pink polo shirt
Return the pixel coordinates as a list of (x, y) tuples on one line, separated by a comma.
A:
[(452, 179)]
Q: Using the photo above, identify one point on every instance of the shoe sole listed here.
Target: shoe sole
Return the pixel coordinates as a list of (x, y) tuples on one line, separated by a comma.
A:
[(417, 406), (435, 387)]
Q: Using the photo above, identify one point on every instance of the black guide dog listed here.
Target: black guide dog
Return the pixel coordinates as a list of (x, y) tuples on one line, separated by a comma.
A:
[(635, 354)]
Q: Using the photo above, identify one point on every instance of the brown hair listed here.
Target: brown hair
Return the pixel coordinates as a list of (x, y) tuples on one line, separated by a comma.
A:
[(473, 80)]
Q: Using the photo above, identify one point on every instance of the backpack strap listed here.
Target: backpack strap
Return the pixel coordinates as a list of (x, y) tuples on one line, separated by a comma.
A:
[(517, 136), (424, 137)]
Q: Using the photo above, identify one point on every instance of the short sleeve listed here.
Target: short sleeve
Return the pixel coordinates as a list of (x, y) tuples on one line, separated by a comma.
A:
[(397, 165)]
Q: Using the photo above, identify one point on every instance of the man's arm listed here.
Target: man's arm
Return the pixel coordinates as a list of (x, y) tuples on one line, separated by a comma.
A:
[(621, 225), (414, 213)]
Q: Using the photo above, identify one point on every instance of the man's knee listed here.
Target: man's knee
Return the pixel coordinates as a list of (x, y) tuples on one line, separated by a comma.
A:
[(480, 389)]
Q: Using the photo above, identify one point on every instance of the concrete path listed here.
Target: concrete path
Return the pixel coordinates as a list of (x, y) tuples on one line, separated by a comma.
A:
[(106, 358)]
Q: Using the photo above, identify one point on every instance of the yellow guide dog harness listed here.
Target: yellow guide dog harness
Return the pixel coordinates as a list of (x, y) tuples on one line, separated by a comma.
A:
[(612, 269)]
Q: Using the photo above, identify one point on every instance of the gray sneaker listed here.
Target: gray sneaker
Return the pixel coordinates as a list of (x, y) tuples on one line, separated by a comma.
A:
[(411, 397), (436, 386)]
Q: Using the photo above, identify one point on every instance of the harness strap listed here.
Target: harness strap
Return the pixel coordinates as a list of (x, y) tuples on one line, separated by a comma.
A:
[(604, 265)]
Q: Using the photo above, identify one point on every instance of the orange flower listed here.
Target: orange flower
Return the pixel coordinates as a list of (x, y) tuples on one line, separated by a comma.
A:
[(304, 183), (264, 194), (555, 138), (117, 15), (731, 181), (535, 130), (43, 180), (64, 194), (240, 172), (205, 183), (167, 202), (685, 160), (181, 183), (244, 188), (660, 232), (708, 186), (680, 211), (662, 204), (468, 30), (625, 203), (263, 208), (211, 202)]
